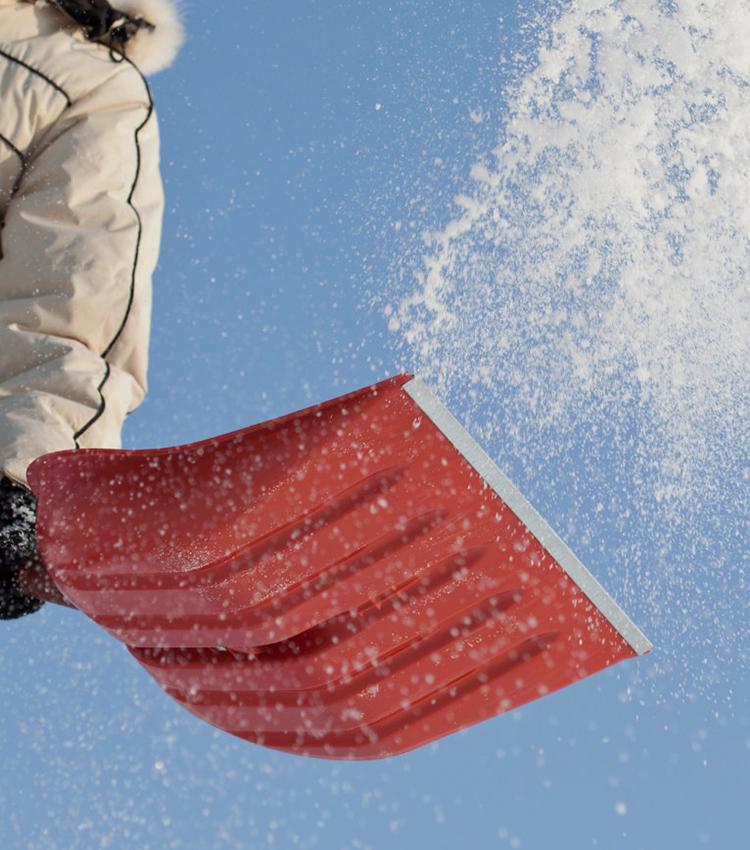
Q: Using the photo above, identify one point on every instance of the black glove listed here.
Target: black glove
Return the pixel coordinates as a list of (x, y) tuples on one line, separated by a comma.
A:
[(17, 546)]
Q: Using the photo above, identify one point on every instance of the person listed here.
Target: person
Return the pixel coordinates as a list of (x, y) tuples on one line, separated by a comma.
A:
[(80, 218)]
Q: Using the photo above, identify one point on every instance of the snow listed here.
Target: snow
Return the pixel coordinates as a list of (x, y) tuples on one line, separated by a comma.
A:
[(587, 305)]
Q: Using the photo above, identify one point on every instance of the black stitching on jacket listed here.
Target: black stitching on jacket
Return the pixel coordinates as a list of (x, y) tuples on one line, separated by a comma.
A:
[(20, 175), (13, 148), (50, 82), (131, 297), (100, 410), (40, 74), (138, 219)]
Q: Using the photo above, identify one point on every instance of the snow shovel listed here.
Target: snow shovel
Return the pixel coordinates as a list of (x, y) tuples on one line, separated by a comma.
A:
[(350, 581)]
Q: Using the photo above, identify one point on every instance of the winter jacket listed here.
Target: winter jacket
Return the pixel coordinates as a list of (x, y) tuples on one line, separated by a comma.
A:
[(80, 208)]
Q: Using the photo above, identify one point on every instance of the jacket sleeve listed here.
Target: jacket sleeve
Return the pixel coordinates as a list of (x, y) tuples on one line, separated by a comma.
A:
[(79, 245)]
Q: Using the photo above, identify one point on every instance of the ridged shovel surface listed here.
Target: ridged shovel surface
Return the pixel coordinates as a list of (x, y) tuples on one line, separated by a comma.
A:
[(350, 581)]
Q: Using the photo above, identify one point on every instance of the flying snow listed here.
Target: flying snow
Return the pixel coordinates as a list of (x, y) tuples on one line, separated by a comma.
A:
[(586, 309)]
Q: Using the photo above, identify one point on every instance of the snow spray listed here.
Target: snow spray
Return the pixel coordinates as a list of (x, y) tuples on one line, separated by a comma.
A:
[(587, 311)]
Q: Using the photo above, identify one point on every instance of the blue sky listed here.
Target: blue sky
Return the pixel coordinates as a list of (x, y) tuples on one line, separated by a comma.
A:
[(581, 308)]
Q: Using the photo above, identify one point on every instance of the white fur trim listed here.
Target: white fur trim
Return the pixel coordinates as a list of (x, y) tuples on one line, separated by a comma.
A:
[(153, 50)]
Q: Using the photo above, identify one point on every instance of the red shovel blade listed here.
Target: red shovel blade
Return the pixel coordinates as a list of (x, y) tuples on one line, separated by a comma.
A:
[(370, 684), (490, 628), (350, 581), (244, 539)]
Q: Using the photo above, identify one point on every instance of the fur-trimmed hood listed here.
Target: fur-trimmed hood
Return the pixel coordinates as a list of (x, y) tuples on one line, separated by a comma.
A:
[(153, 50)]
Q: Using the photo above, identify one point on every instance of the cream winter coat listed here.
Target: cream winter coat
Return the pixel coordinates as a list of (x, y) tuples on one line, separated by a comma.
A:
[(80, 208)]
